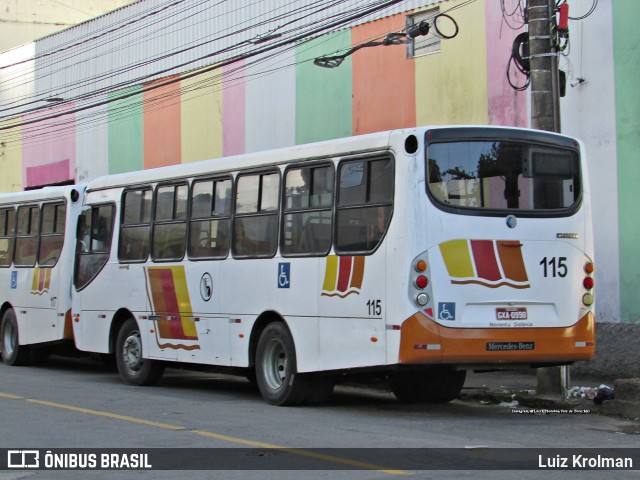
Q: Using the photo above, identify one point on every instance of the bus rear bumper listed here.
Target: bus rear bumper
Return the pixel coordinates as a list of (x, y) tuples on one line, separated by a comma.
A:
[(424, 341)]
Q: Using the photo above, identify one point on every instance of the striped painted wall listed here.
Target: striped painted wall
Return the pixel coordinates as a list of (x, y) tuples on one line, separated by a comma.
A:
[(258, 104)]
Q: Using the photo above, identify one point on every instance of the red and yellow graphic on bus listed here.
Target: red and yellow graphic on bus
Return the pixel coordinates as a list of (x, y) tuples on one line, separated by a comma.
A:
[(343, 276), (491, 263), (41, 281), (169, 297)]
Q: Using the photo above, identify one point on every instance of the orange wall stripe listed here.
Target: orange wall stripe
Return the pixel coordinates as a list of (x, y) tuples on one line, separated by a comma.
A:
[(384, 84), (162, 125)]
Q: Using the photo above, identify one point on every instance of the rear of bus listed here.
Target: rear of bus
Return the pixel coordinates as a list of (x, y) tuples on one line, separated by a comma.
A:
[(503, 274)]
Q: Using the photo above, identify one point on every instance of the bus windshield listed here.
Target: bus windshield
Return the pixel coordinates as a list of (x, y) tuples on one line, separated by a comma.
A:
[(503, 175)]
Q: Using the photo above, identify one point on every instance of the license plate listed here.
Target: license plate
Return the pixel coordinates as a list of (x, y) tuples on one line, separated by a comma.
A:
[(511, 313)]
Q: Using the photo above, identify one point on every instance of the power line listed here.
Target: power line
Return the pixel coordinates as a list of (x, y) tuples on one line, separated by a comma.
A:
[(63, 90), (316, 30)]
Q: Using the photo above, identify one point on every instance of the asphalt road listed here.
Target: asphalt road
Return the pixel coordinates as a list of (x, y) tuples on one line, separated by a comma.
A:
[(80, 404)]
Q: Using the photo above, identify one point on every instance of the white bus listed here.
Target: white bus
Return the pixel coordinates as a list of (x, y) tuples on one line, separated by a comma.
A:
[(37, 250), (415, 254)]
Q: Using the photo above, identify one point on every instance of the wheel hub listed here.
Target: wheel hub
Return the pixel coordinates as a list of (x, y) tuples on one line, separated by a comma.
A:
[(275, 365), (132, 352), (9, 339)]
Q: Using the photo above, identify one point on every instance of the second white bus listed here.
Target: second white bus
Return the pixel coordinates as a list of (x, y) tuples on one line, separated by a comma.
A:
[(417, 254)]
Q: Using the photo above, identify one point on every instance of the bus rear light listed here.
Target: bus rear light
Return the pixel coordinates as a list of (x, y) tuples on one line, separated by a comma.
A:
[(421, 266), (588, 268), (587, 299), (422, 299), (588, 283), (422, 282)]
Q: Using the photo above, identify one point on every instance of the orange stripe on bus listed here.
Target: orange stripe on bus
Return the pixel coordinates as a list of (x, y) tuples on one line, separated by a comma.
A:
[(358, 272), (469, 345), (512, 262)]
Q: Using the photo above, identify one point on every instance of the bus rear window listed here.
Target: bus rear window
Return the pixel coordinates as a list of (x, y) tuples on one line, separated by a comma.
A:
[(503, 175)]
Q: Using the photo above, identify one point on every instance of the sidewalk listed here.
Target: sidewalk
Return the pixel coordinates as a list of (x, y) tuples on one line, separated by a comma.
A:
[(518, 388)]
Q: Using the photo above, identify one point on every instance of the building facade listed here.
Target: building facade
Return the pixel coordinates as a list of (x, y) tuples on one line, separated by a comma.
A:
[(158, 83)]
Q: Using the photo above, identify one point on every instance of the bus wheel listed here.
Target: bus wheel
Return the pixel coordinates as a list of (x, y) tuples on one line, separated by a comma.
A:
[(276, 375), (12, 352), (430, 386), (133, 368)]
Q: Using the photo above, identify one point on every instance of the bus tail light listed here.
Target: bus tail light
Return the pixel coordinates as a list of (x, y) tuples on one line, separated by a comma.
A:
[(420, 284), (588, 284), (422, 299)]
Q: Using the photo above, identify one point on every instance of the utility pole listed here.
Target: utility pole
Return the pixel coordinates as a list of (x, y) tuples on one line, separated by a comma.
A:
[(545, 104), (545, 115)]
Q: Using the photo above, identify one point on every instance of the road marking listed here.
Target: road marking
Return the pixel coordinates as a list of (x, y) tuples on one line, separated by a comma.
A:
[(8, 395), (217, 436), (99, 413), (303, 453)]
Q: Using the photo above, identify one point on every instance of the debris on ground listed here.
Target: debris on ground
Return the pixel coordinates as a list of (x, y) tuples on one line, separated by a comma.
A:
[(597, 394)]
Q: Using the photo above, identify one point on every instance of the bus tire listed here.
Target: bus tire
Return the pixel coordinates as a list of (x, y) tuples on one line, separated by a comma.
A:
[(430, 386), (13, 353), (133, 368), (276, 375)]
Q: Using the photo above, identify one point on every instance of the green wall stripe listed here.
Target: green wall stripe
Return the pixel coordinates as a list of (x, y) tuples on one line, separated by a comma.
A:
[(126, 147), (323, 95), (626, 38)]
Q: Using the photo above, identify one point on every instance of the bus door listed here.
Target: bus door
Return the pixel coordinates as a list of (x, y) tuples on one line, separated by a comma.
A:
[(46, 308)]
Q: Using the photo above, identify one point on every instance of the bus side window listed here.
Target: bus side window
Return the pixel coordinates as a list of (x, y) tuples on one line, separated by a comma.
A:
[(27, 236), (95, 228), (255, 224), (307, 219), (51, 233), (210, 220), (365, 204), (170, 223), (7, 235), (133, 245)]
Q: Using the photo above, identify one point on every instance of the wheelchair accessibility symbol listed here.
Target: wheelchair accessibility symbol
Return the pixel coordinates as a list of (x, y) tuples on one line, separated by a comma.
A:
[(284, 275), (446, 311)]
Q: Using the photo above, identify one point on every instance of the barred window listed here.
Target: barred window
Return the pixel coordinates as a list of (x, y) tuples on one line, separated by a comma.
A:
[(424, 44)]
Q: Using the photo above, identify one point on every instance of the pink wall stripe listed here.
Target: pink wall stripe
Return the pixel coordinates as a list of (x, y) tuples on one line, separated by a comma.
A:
[(50, 156), (233, 109), (506, 106), (48, 174)]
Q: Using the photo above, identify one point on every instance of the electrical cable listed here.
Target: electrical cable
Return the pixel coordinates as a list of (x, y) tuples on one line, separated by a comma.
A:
[(520, 60), (59, 92), (315, 30), (591, 10)]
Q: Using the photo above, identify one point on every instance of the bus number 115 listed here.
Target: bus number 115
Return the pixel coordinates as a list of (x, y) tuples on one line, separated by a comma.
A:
[(375, 307), (554, 267)]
